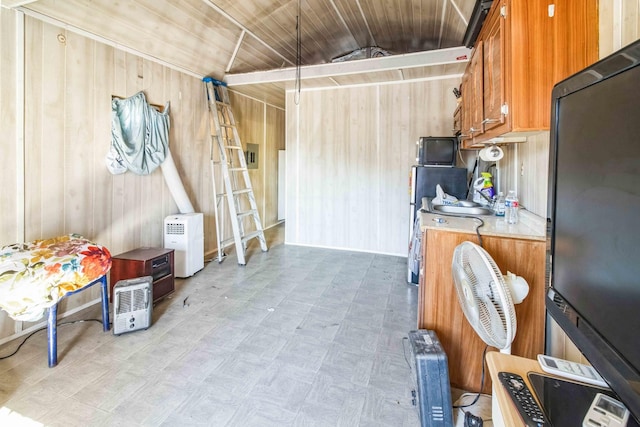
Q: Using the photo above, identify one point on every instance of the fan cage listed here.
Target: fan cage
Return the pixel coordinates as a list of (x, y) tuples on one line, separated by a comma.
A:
[(491, 313)]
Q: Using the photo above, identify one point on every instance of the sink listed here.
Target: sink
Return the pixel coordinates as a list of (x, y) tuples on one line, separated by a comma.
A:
[(468, 203), (462, 210)]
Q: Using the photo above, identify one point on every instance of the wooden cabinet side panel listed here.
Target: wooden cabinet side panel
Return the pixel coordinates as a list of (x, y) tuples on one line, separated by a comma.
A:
[(575, 30), (442, 313), (527, 259), (421, 280), (530, 55), (441, 310), (122, 269)]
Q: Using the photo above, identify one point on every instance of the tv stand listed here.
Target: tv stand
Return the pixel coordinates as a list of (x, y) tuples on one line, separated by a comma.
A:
[(566, 401), (504, 412)]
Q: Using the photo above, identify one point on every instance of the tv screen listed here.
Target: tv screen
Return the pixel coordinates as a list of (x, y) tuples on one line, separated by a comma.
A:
[(436, 151), (594, 207)]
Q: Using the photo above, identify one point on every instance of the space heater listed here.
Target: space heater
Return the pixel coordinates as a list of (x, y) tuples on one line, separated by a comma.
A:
[(132, 304), (431, 378), (184, 233)]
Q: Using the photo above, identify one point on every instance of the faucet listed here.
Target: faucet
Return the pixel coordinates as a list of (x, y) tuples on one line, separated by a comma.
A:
[(491, 201)]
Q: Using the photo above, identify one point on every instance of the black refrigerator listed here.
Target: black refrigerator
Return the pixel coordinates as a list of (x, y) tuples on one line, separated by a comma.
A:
[(423, 184)]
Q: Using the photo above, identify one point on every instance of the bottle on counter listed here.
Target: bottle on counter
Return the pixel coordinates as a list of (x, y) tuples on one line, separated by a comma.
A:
[(500, 204), (511, 207)]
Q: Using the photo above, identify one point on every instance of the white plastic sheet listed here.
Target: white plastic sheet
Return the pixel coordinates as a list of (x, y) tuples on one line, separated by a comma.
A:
[(140, 143), (139, 135)]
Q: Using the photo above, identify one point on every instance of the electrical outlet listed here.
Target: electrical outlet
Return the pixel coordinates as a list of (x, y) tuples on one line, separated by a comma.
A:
[(522, 169)]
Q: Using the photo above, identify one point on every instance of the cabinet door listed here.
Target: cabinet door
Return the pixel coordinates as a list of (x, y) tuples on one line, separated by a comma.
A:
[(471, 88), (477, 80), (465, 113), (457, 120), (494, 102)]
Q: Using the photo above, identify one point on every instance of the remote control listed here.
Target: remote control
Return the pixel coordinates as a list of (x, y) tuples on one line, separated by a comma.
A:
[(523, 399), (572, 370)]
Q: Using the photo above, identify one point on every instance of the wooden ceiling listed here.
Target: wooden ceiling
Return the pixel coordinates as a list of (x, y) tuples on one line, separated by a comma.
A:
[(227, 38)]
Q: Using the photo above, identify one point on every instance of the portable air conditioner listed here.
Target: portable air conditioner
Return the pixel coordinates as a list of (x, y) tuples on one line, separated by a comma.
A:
[(184, 233), (431, 375), (132, 304)]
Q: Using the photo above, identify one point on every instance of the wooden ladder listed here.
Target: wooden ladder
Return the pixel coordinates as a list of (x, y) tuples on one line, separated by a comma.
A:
[(236, 191)]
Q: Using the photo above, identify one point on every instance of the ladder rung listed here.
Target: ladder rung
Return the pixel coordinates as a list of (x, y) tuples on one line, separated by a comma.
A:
[(237, 169), (251, 235), (243, 191), (246, 213), (233, 147), (226, 242)]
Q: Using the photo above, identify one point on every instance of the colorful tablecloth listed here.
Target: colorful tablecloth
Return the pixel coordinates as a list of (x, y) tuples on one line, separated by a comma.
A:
[(36, 275)]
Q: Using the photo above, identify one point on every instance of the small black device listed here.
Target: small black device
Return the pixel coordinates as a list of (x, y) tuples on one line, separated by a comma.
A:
[(436, 151), (521, 396), (471, 420)]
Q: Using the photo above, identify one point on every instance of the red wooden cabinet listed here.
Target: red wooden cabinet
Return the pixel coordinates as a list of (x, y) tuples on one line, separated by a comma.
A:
[(154, 262)]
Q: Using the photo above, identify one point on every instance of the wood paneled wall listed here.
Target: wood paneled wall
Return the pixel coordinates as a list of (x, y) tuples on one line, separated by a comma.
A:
[(349, 152), (64, 182)]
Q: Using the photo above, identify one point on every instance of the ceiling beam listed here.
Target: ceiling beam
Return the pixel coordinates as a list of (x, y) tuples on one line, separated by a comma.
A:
[(409, 60)]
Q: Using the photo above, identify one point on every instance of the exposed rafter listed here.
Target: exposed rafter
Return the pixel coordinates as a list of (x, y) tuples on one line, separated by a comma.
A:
[(344, 23), (235, 51), (364, 18), (245, 29), (460, 14), (444, 13)]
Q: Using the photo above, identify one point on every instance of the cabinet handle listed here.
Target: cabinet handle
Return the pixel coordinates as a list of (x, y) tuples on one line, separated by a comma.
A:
[(490, 121), (472, 130)]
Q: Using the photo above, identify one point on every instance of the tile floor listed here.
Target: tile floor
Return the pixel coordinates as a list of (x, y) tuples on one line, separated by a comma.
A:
[(298, 337)]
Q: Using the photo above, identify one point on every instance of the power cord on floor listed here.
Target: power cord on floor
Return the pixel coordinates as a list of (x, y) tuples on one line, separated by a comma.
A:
[(404, 352), (42, 329), (484, 353)]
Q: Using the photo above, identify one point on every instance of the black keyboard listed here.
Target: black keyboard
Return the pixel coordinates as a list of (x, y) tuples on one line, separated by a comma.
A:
[(529, 410)]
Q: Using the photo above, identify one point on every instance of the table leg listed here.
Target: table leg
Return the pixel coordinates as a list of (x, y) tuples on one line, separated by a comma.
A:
[(105, 303), (52, 335)]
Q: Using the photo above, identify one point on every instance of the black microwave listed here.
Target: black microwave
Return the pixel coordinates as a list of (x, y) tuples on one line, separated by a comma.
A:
[(436, 150)]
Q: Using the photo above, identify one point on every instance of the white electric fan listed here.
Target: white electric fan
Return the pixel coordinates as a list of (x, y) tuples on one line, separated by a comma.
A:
[(486, 296)]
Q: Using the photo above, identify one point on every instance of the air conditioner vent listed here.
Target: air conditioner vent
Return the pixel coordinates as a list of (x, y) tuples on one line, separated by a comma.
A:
[(175, 228)]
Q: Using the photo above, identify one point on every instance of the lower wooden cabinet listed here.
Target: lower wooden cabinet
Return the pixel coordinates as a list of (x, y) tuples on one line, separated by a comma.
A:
[(155, 262), (439, 309)]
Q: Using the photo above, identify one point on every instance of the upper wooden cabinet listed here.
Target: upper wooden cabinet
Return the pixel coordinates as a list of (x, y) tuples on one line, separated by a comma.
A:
[(524, 48)]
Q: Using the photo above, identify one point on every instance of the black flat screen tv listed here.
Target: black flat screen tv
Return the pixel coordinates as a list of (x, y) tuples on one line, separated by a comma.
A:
[(594, 218)]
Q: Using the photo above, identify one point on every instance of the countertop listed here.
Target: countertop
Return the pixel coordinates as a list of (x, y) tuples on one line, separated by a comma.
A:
[(529, 226)]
